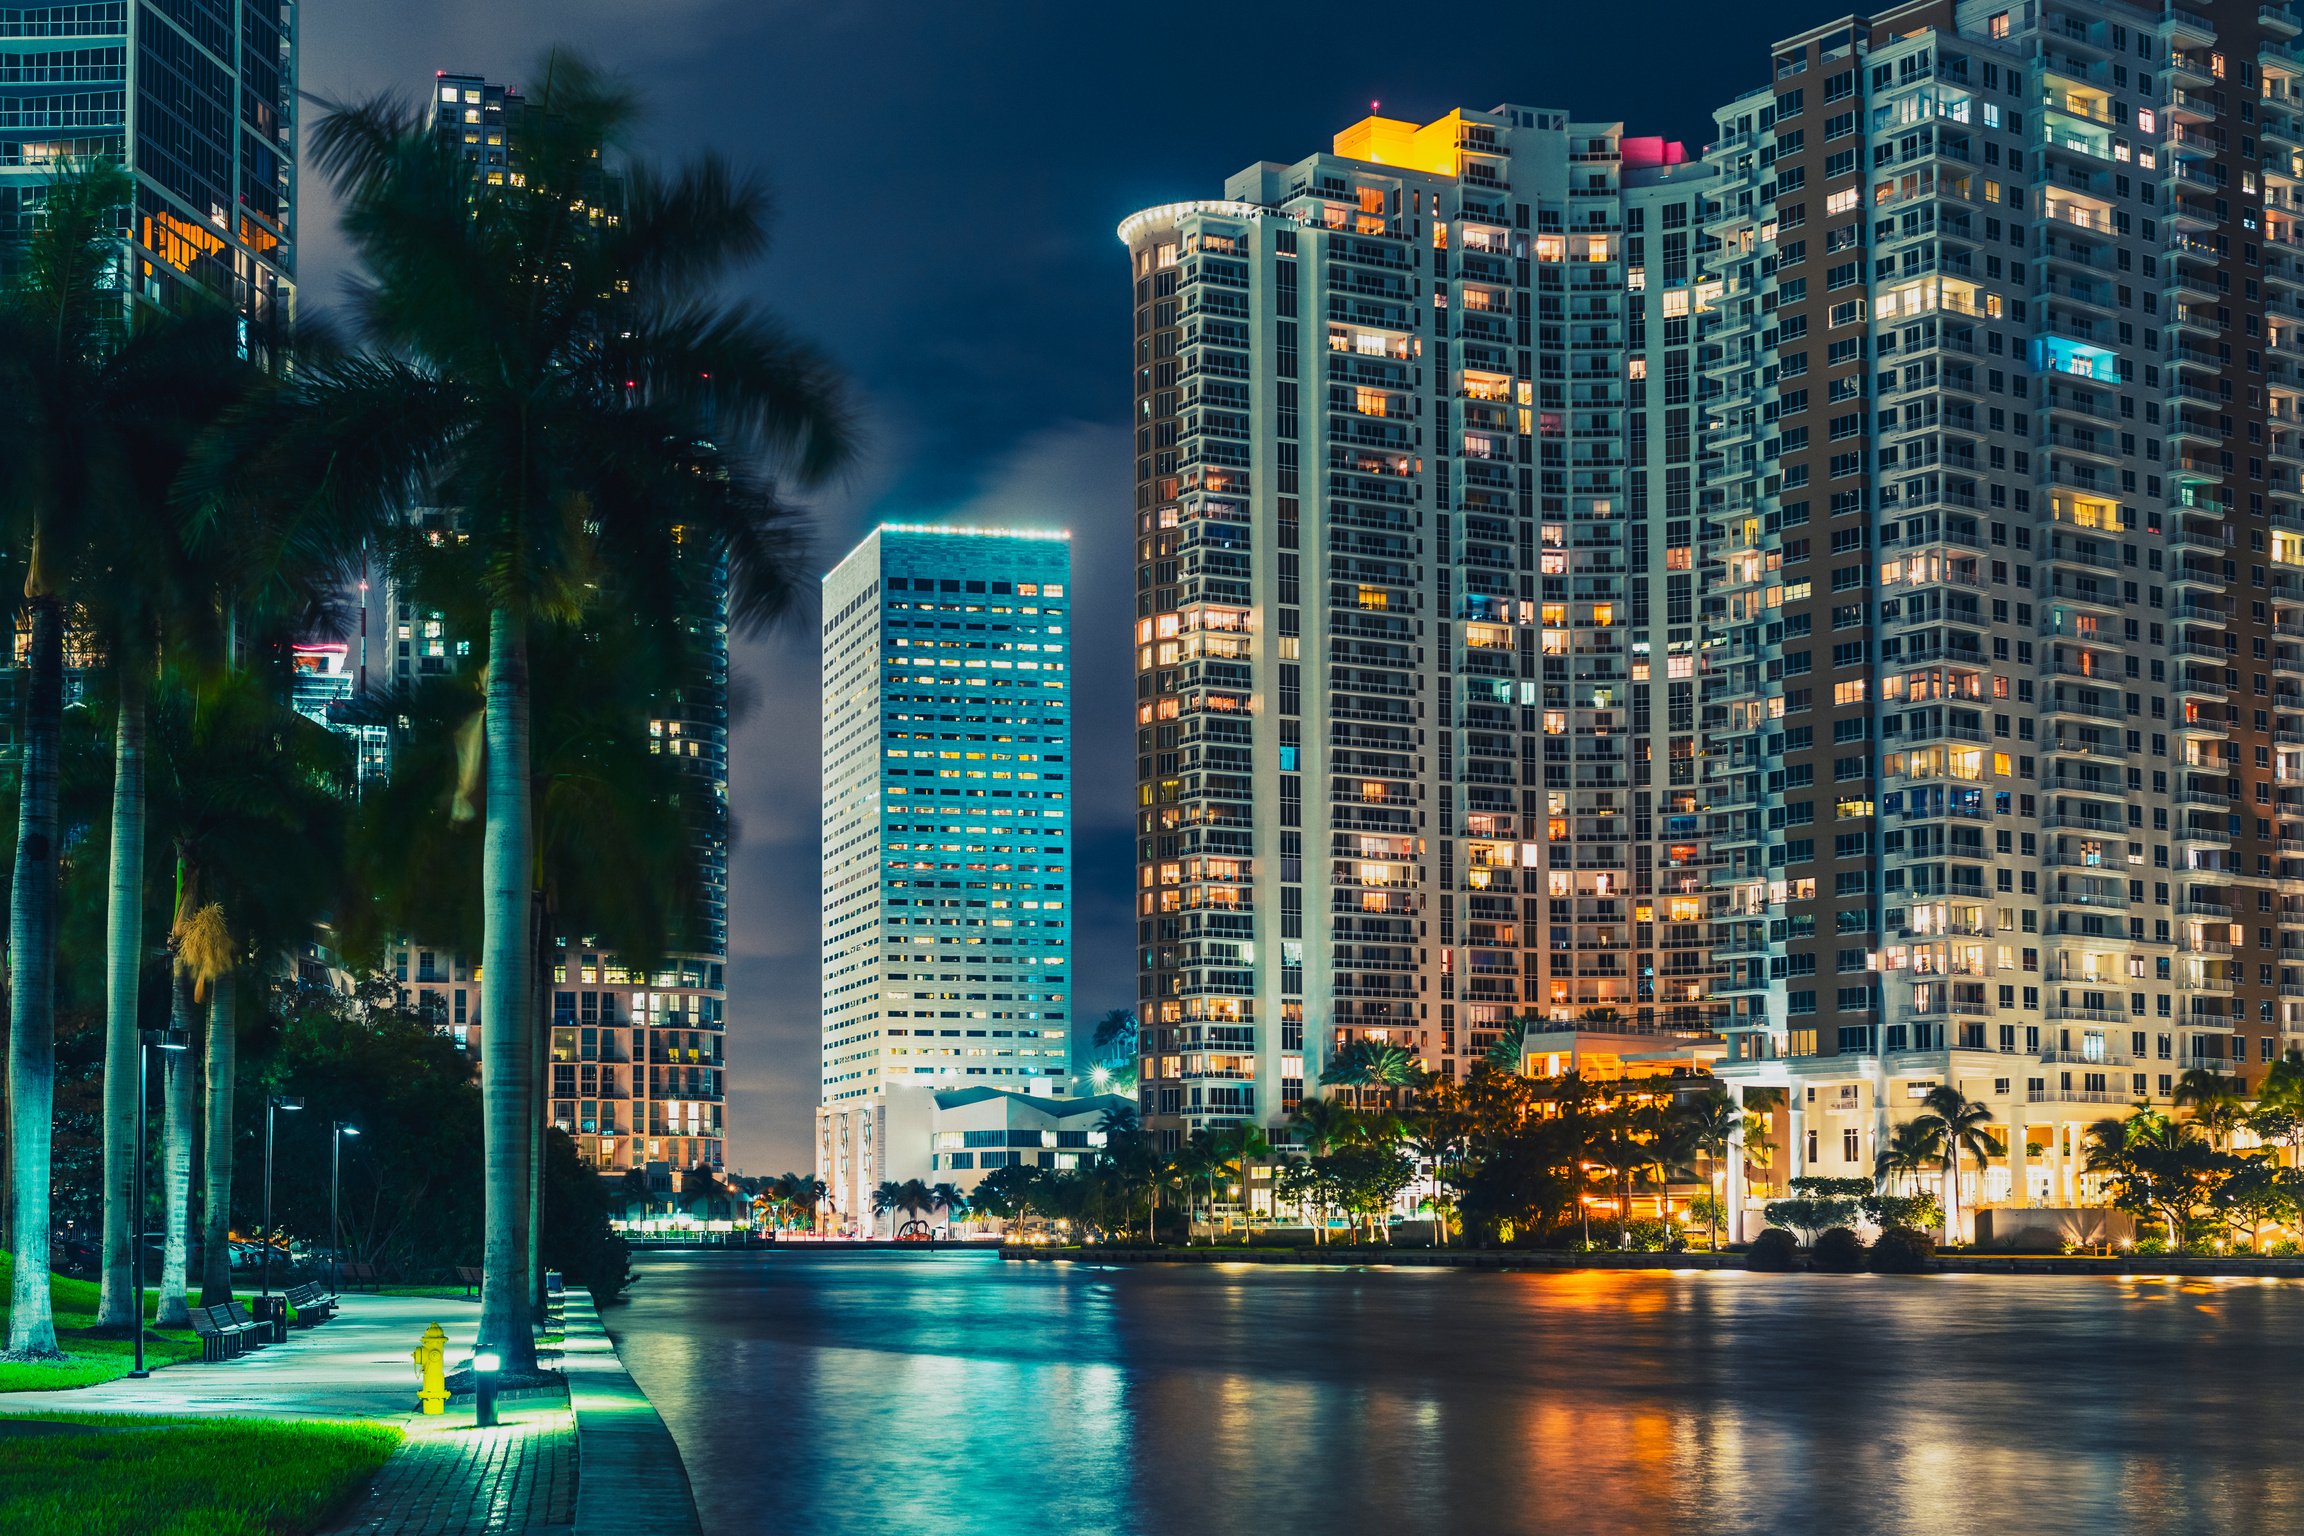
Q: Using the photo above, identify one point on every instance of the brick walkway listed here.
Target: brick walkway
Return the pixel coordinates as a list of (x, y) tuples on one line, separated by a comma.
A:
[(450, 1479)]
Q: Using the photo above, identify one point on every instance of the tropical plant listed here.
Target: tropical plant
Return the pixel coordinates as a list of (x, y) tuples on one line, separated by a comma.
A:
[(1914, 1147), (1238, 1150), (1818, 1204), (2157, 1167), (1370, 1066), (555, 371), (1958, 1121), (1503, 1053), (1710, 1125), (89, 406), (2216, 1104)]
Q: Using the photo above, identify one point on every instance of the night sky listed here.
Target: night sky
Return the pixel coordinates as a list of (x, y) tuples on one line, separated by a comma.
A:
[(949, 177)]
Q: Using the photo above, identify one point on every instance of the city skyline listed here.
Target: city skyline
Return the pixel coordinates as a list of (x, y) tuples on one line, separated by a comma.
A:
[(1027, 425)]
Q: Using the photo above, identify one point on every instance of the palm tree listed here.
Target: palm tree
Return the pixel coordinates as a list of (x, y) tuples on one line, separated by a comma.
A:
[(1914, 1147), (2217, 1107), (2279, 1113), (1624, 1147), (1957, 1122), (561, 379), (1708, 1126), (1321, 1123), (1364, 1064), (94, 410), (947, 1198), (887, 1197), (1239, 1149), (248, 797), (1504, 1054)]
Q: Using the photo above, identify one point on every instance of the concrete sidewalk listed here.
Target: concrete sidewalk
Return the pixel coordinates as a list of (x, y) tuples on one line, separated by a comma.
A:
[(354, 1367), (448, 1479)]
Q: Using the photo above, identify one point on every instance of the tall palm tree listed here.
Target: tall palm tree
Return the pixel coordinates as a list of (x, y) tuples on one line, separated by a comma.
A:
[(91, 408), (564, 381), (1708, 1127), (1957, 1124), (946, 1197)]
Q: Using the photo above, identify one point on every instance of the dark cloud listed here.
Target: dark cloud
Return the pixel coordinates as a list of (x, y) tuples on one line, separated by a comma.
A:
[(949, 177)]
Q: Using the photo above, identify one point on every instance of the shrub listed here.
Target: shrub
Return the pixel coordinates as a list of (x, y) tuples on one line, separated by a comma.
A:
[(1902, 1251), (1772, 1252), (1647, 1236), (1838, 1251)]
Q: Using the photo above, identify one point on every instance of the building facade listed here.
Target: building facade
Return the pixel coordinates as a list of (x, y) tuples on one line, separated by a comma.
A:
[(1416, 641), (197, 100), (2002, 763), (947, 874)]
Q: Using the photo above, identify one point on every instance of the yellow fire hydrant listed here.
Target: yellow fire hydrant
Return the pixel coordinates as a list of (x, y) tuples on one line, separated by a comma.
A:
[(431, 1357)]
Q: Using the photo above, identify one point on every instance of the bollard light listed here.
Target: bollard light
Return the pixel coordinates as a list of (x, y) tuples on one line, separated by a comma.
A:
[(485, 1365)]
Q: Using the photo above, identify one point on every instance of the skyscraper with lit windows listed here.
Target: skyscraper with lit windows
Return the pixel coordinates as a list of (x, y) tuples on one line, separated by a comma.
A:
[(1416, 539), (947, 827), (197, 101)]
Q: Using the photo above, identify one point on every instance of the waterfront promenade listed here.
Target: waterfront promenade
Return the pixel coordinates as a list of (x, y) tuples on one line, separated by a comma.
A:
[(592, 1458)]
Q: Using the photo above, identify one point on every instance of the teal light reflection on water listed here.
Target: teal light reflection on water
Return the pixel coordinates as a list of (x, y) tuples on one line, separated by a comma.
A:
[(887, 1395)]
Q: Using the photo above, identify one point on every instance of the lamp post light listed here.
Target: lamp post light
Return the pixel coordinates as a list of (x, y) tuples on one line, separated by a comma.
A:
[(272, 1104), (485, 1365), (146, 1039), (335, 1162)]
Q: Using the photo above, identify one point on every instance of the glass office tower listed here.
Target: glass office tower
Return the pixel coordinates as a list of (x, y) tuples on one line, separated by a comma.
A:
[(947, 878)]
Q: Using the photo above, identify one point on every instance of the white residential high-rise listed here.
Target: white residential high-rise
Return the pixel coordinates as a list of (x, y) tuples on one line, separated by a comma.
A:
[(947, 831), (1417, 576)]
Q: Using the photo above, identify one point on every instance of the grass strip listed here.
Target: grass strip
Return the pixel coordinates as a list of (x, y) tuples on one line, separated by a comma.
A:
[(188, 1477)]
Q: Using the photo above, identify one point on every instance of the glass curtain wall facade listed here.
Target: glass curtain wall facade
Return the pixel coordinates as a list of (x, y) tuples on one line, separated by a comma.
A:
[(947, 830), (197, 100)]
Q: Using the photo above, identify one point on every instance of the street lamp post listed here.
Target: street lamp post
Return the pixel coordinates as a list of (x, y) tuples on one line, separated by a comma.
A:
[(167, 1040), (335, 1162), (272, 1104)]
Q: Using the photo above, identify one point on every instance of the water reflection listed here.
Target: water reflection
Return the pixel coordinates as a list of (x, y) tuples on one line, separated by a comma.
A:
[(955, 1394)]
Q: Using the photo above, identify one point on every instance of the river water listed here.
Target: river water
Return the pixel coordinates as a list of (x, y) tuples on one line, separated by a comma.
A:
[(950, 1394)]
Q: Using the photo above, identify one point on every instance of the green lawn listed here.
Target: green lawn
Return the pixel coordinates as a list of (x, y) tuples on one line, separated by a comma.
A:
[(186, 1477), (90, 1360)]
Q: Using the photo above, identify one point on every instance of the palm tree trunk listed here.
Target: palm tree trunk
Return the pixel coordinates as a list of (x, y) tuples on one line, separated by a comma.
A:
[(32, 987), (221, 1065), (539, 1081), (118, 1306), (507, 884), (176, 1161)]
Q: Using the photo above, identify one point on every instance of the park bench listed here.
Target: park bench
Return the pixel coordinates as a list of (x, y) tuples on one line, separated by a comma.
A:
[(313, 1304), (221, 1336), (259, 1334), (356, 1274), (468, 1276)]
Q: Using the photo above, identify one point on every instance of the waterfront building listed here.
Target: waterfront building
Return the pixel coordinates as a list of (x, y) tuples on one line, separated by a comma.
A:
[(198, 103), (947, 833), (1416, 641), (2003, 684)]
